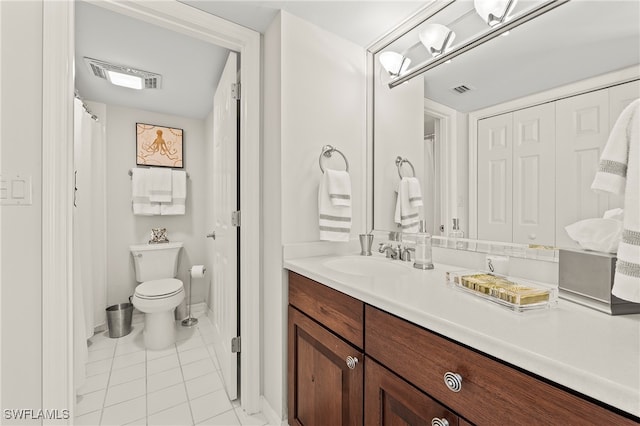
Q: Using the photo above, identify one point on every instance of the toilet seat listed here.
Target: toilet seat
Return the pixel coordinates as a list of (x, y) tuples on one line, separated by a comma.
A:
[(158, 289)]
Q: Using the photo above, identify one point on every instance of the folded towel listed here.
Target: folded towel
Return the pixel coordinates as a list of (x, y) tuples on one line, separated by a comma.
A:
[(619, 172), (339, 186), (140, 182), (415, 193), (177, 205), (407, 216), (160, 186), (334, 220)]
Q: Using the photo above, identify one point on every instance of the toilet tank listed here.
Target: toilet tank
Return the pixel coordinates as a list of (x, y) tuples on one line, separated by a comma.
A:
[(155, 261)]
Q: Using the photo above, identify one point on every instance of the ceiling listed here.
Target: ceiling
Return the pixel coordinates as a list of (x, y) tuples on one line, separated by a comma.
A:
[(190, 68)]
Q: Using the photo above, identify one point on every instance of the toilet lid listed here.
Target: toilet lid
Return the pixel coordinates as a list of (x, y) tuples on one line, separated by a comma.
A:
[(159, 288)]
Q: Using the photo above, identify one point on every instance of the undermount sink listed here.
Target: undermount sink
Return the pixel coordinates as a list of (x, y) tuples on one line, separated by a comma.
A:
[(367, 266)]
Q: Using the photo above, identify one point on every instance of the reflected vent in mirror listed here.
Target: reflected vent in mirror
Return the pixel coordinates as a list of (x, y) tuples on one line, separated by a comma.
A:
[(463, 88)]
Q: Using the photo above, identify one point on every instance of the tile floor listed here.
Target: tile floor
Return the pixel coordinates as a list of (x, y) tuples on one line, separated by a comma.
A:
[(181, 385)]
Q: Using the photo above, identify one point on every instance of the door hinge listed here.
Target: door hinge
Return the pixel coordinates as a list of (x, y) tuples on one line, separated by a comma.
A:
[(235, 218), (235, 345), (235, 91)]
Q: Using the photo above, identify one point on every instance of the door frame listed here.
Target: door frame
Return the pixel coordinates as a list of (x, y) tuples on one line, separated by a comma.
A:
[(57, 170)]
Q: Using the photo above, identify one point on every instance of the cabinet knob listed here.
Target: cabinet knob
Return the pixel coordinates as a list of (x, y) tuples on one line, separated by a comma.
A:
[(453, 381), (439, 422), (532, 236), (352, 362)]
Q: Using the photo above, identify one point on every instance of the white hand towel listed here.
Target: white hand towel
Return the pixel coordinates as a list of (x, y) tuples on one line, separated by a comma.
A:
[(160, 188), (406, 215), (415, 193), (140, 182), (335, 221), (177, 206), (339, 185), (619, 172)]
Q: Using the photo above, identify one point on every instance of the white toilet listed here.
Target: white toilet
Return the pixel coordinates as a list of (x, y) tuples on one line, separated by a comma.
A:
[(159, 293)]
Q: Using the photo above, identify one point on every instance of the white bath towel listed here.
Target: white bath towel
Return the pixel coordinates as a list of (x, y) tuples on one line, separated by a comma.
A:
[(160, 186), (140, 183), (335, 221), (619, 172), (339, 186), (415, 193), (407, 216), (177, 206)]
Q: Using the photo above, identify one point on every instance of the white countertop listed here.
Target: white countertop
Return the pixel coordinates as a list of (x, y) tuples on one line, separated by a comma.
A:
[(588, 351)]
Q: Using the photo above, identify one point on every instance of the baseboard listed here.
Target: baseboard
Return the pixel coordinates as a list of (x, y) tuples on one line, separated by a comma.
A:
[(271, 415)]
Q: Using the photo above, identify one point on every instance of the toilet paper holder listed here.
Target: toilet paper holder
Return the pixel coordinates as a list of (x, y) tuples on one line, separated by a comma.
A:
[(196, 271)]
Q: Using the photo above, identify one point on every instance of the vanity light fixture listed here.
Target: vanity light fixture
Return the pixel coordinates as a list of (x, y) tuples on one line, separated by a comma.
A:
[(494, 12), (124, 76), (436, 38), (394, 63)]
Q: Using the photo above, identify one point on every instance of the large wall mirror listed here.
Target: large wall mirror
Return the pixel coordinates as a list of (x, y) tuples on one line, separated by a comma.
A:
[(505, 133)]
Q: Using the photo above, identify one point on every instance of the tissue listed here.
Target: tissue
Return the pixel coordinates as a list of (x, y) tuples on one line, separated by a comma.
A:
[(596, 234)]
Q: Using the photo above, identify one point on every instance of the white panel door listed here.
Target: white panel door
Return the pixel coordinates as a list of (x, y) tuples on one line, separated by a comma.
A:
[(224, 295), (494, 178), (581, 133), (534, 175)]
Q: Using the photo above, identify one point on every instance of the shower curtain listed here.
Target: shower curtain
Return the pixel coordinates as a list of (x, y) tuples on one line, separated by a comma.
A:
[(89, 235)]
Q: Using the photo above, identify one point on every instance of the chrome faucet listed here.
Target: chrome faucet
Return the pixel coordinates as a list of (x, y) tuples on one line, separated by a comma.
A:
[(405, 253), (389, 251)]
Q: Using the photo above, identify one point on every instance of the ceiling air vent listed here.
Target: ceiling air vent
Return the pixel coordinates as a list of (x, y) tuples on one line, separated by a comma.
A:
[(101, 69), (461, 89)]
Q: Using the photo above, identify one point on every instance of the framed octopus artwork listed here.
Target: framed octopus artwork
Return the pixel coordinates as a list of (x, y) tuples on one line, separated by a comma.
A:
[(159, 146)]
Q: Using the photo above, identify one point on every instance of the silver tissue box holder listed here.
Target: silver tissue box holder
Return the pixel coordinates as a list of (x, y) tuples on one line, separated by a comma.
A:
[(586, 278)]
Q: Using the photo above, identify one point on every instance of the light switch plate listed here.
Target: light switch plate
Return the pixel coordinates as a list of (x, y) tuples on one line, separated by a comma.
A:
[(15, 190)]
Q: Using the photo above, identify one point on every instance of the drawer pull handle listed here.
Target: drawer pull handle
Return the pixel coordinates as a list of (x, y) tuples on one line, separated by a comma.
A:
[(453, 381), (352, 362), (439, 422)]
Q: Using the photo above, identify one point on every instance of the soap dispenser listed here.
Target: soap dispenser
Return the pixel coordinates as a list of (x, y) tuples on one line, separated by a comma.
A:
[(423, 259), (455, 234)]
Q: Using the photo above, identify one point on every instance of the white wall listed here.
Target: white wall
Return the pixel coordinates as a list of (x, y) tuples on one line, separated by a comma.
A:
[(314, 94), (21, 153), (124, 229)]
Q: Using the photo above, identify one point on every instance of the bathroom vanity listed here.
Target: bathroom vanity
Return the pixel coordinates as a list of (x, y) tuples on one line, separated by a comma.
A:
[(405, 347)]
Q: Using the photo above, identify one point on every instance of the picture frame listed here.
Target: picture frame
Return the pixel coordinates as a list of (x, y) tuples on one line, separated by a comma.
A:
[(159, 146)]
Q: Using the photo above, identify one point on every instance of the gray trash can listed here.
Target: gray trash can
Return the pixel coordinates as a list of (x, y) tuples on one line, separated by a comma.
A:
[(119, 319)]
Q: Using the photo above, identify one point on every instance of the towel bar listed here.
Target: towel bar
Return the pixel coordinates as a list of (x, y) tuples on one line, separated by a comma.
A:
[(399, 162), (327, 150), (131, 172)]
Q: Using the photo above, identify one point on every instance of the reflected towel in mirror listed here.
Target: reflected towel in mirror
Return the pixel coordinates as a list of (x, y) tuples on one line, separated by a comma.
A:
[(407, 214), (619, 172)]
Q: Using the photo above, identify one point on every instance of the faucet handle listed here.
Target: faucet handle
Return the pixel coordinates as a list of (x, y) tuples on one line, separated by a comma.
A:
[(406, 253)]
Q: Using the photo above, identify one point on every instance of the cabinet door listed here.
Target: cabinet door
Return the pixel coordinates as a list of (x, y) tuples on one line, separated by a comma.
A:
[(495, 152), (389, 400), (534, 137), (323, 388), (581, 133)]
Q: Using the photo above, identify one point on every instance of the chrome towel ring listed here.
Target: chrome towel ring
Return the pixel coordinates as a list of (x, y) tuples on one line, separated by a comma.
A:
[(327, 150), (399, 162)]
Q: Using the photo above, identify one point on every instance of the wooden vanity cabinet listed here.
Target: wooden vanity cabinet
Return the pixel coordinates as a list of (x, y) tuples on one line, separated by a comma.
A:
[(405, 366), (485, 391), (326, 362)]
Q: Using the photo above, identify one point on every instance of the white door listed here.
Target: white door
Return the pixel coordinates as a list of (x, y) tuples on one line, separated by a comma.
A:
[(534, 135), (224, 277), (581, 133), (495, 151)]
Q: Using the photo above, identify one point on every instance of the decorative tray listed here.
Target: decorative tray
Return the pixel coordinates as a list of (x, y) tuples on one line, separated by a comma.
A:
[(517, 295)]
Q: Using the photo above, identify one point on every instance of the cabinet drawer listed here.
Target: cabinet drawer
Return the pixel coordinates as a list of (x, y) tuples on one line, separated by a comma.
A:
[(340, 313), (491, 392), (389, 400)]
